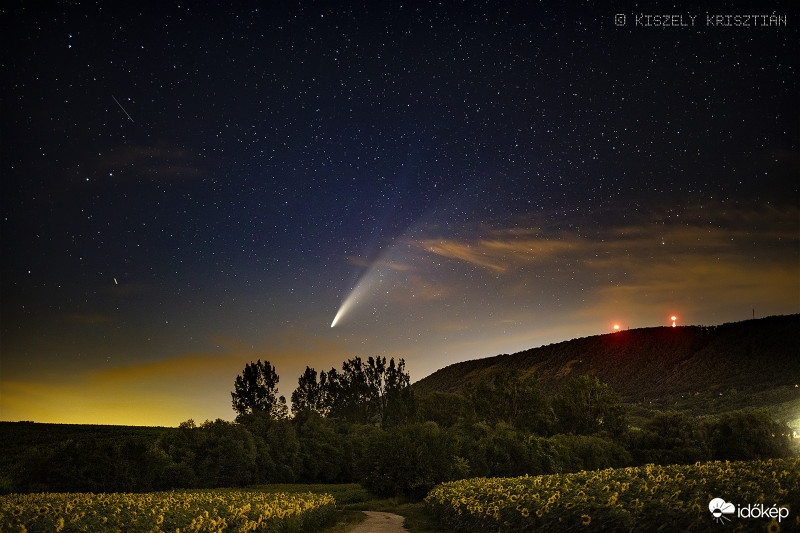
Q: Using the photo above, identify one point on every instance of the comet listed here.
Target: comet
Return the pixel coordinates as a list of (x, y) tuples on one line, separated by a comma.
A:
[(385, 274), (346, 305), (357, 294), (382, 276), (340, 313)]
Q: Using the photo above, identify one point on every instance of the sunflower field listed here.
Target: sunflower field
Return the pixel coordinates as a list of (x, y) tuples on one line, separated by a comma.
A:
[(644, 498), (201, 510)]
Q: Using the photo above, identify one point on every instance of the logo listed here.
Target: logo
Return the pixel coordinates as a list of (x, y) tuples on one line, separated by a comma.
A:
[(719, 508)]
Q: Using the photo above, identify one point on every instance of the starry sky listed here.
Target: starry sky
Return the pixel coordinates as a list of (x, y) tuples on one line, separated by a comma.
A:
[(189, 187)]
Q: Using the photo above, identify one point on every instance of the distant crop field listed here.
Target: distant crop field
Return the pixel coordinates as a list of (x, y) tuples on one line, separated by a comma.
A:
[(200, 510), (646, 498)]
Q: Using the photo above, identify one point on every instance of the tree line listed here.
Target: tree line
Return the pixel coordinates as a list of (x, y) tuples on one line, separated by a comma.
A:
[(363, 423)]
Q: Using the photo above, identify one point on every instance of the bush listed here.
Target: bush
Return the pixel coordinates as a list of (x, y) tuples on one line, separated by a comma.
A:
[(409, 460), (589, 452), (745, 435)]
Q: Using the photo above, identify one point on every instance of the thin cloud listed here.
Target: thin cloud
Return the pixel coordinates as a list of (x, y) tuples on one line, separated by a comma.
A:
[(391, 265), (465, 252), (501, 256)]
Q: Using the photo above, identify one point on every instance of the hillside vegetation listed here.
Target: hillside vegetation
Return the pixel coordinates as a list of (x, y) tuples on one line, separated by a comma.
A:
[(654, 364)]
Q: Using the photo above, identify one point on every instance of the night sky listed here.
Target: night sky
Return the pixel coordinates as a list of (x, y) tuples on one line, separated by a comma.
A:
[(189, 188)]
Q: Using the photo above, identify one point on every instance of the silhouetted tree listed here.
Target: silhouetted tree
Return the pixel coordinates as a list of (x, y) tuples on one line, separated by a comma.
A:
[(310, 395), (256, 392), (361, 392)]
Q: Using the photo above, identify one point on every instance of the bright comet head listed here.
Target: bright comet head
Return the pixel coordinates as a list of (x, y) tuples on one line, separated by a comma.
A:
[(342, 309), (352, 298)]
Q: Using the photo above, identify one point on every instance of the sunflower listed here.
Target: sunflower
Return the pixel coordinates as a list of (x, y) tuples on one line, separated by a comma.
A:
[(586, 519), (773, 527)]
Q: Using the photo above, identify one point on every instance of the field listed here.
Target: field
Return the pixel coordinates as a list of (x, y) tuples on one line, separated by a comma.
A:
[(646, 498), (200, 510)]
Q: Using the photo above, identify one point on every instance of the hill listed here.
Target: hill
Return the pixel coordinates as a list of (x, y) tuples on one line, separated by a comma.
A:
[(662, 364)]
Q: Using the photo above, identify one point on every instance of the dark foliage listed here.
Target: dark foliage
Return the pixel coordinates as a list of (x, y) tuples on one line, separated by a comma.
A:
[(362, 392), (585, 406), (513, 398), (310, 394), (255, 391), (404, 459), (409, 460)]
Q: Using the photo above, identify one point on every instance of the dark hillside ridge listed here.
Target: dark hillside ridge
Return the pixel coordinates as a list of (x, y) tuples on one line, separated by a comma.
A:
[(652, 363)]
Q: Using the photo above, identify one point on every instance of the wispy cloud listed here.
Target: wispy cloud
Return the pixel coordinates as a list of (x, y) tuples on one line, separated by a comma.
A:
[(708, 256), (466, 252)]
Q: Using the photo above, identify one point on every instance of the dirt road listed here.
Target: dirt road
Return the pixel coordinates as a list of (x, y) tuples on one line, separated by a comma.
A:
[(378, 522)]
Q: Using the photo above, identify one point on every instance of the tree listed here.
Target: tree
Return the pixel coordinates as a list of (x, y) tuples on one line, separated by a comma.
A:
[(585, 406), (747, 435), (256, 392), (514, 399), (409, 460), (310, 394), (227, 456), (444, 408), (347, 392), (363, 392)]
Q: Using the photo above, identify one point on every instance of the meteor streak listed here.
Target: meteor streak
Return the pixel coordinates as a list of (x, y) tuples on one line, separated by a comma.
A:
[(123, 109)]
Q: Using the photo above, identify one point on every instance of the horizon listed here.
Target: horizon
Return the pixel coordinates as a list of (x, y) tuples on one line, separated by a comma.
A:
[(191, 188), (199, 421)]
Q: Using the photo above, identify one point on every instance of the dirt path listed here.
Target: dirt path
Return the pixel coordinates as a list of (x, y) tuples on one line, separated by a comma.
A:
[(378, 522)]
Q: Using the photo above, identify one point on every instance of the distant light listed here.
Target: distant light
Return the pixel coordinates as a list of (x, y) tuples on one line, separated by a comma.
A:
[(616, 327), (673, 318)]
